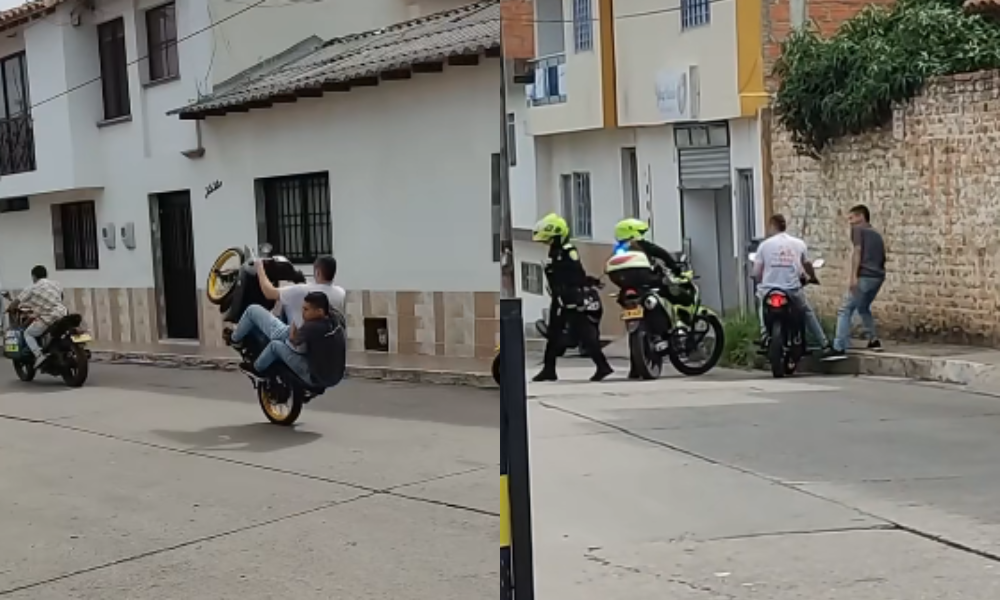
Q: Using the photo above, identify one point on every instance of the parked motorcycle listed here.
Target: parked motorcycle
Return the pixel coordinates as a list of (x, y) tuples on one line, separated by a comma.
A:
[(785, 344), (643, 294), (65, 343), (593, 307), (233, 287)]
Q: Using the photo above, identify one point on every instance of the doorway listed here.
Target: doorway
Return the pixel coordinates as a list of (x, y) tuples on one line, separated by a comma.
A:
[(178, 293), (707, 220), (746, 211)]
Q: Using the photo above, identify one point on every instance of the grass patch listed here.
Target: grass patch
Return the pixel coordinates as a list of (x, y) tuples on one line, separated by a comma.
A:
[(742, 333)]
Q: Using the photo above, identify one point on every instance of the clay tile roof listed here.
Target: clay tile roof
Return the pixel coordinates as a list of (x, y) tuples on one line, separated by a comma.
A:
[(980, 6), (26, 12), (471, 29)]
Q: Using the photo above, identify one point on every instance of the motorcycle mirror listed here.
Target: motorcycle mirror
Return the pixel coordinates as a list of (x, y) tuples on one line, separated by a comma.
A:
[(818, 263), (753, 257), (266, 249)]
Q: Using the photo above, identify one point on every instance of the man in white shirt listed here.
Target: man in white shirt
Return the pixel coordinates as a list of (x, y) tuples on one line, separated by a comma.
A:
[(782, 263), (257, 320)]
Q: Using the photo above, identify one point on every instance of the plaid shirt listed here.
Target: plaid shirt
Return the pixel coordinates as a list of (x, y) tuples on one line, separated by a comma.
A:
[(45, 299)]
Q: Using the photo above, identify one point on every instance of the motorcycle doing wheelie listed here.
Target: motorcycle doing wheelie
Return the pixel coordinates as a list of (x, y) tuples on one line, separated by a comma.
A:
[(644, 291), (233, 286), (64, 343), (593, 309), (785, 344)]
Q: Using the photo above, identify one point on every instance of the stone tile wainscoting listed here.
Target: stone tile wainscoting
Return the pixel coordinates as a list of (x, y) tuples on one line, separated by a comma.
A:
[(461, 324), (930, 181)]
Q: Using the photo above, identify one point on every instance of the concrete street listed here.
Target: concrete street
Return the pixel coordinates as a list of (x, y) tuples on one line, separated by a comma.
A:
[(159, 484), (737, 486)]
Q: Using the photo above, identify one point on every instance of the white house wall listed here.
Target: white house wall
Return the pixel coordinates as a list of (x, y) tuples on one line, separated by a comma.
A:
[(647, 44)]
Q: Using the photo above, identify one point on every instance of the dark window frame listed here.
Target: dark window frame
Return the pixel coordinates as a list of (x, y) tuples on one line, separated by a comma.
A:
[(496, 205), (113, 57), (75, 236), (305, 233), (5, 108), (161, 49)]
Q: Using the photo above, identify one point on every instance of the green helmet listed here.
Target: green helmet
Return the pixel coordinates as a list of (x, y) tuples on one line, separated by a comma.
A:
[(630, 229), (550, 227)]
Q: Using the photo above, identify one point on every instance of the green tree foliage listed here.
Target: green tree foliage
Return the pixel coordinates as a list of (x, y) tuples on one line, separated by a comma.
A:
[(848, 84)]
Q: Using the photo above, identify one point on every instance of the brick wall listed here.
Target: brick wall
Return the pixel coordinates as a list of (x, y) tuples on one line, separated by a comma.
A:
[(518, 28), (931, 181), (826, 15)]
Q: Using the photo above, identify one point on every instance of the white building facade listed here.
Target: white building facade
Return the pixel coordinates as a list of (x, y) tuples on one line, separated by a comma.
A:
[(387, 157), (649, 109)]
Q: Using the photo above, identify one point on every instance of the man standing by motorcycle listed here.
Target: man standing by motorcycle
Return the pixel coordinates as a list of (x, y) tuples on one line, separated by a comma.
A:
[(567, 280), (782, 263), (44, 301)]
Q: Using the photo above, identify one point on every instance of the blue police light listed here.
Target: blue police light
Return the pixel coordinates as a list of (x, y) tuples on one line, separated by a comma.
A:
[(621, 248)]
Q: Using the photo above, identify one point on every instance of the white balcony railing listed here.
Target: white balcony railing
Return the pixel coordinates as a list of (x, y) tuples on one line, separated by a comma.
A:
[(549, 85)]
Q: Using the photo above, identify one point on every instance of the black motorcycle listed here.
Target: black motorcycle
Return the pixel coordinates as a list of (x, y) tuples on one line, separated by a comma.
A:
[(593, 307), (65, 343), (233, 287), (785, 344)]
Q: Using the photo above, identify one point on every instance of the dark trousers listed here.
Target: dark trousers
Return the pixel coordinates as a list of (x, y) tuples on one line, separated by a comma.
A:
[(587, 332)]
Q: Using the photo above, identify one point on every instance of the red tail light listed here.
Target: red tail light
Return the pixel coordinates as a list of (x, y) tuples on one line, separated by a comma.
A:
[(777, 300)]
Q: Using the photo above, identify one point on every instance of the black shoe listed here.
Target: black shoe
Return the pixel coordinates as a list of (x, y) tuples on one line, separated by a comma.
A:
[(875, 345), (602, 373), (247, 368), (545, 376), (833, 355)]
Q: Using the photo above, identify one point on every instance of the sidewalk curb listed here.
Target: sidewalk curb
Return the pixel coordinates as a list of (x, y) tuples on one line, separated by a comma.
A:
[(170, 360), (922, 368)]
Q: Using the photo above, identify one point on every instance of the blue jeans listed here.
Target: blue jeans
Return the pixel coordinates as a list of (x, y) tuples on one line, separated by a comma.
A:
[(268, 329), (861, 302)]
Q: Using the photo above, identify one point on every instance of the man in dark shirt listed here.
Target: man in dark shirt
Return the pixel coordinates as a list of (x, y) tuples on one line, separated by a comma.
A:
[(314, 351), (867, 276)]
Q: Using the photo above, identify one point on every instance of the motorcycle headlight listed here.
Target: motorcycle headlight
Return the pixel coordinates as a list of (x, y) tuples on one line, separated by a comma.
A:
[(651, 302)]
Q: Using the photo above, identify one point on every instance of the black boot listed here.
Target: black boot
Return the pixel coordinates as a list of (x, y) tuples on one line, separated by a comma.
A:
[(603, 370), (545, 375)]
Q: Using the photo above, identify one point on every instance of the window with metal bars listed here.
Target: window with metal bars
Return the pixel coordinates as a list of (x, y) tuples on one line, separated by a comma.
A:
[(583, 25), (576, 204), (695, 13), (161, 37), (114, 69), (297, 219), (74, 235)]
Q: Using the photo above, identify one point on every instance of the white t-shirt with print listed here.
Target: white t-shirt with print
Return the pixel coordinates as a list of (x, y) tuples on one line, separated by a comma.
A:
[(781, 256)]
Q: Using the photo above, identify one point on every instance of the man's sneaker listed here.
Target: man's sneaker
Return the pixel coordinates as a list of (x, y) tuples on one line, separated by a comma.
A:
[(833, 355), (227, 337), (875, 345)]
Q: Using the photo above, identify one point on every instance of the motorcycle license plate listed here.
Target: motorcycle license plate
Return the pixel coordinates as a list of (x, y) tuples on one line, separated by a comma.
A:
[(11, 348), (632, 313), (82, 338)]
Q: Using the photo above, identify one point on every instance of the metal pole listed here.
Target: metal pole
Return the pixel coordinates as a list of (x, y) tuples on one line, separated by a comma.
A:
[(508, 287), (517, 579), (514, 396)]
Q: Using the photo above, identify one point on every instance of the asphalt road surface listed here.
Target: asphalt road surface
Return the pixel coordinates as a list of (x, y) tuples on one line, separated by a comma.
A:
[(736, 487), (160, 484)]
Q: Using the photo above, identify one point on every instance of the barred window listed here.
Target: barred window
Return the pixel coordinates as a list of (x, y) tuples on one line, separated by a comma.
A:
[(583, 25), (297, 219), (695, 13), (576, 205)]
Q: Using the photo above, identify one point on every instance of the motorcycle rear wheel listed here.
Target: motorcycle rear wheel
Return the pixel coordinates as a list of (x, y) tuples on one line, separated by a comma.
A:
[(277, 412), (646, 362), (25, 372), (776, 351), (216, 288)]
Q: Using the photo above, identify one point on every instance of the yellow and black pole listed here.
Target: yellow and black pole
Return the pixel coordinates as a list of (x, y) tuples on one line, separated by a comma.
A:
[(517, 580)]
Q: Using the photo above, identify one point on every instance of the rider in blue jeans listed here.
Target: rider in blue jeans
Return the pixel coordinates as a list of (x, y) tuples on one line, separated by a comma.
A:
[(867, 277)]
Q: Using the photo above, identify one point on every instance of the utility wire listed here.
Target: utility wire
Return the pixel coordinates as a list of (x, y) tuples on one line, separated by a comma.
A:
[(197, 32)]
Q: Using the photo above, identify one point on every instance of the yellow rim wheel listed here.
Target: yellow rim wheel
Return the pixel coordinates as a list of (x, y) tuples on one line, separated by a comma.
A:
[(276, 410), (217, 287)]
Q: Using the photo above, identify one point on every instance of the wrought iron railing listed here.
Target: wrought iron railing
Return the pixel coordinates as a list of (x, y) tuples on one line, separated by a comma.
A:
[(17, 145), (549, 85)]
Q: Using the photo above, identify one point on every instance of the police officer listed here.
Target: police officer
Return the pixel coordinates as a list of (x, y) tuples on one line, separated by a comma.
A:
[(567, 280)]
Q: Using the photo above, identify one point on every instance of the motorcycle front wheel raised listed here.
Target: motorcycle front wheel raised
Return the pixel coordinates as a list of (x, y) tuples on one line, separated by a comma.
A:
[(646, 362), (221, 280), (276, 411), (25, 371)]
